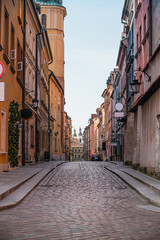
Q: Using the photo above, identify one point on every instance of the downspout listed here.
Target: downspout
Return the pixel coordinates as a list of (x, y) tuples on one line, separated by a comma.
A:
[(150, 28), (23, 90)]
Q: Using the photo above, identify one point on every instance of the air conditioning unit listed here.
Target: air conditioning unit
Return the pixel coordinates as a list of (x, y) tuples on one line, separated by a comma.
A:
[(13, 54), (19, 66)]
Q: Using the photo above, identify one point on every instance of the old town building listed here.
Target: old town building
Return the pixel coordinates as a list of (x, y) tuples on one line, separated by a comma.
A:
[(33, 48), (46, 124), (68, 138), (77, 146), (52, 17), (11, 84)]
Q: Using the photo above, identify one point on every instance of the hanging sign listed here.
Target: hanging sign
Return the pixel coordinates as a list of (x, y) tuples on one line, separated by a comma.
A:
[(26, 113), (119, 114), (2, 70), (2, 91)]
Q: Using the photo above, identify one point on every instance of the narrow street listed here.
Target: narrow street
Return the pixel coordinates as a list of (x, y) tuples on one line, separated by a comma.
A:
[(80, 201)]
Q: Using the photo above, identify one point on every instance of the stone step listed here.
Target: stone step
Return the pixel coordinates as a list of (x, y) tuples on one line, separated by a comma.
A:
[(145, 179), (15, 197), (146, 192), (13, 183)]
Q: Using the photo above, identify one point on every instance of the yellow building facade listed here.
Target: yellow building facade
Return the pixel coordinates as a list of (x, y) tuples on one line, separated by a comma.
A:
[(11, 53), (52, 17)]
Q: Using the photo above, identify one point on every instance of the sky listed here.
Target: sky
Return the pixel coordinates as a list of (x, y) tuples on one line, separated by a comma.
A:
[(92, 37)]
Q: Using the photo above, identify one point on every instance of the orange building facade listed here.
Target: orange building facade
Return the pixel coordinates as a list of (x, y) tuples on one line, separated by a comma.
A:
[(11, 53)]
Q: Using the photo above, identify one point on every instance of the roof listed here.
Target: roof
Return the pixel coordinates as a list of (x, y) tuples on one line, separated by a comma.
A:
[(50, 2)]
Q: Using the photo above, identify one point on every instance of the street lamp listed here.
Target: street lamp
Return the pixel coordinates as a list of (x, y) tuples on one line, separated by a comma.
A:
[(135, 86)]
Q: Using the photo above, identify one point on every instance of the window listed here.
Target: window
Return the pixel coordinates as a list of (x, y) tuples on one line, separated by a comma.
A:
[(55, 112), (140, 35), (55, 144), (12, 44), (59, 115), (145, 25), (20, 11), (44, 20), (19, 60), (6, 31), (3, 130), (43, 138), (137, 41), (32, 136)]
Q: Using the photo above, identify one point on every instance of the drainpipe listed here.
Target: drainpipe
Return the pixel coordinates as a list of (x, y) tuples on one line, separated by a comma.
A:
[(150, 28), (23, 90)]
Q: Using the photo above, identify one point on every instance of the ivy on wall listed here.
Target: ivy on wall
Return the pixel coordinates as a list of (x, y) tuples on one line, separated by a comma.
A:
[(13, 133)]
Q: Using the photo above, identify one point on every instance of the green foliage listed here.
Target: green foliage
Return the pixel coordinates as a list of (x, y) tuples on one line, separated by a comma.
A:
[(13, 133)]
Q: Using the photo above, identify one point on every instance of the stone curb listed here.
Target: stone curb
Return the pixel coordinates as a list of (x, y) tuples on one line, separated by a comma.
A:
[(147, 193), (11, 186), (15, 197)]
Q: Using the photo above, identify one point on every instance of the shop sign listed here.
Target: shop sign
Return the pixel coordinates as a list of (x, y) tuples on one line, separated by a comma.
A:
[(26, 113), (2, 70), (113, 144), (2, 91), (119, 114)]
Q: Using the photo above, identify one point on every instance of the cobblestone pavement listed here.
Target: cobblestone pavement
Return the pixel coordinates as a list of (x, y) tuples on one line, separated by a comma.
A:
[(81, 201)]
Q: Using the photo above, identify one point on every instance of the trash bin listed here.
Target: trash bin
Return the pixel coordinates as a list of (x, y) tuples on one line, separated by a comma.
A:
[(46, 155)]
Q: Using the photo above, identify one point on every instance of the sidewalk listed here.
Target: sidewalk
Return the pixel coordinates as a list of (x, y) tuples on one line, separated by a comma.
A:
[(16, 184), (146, 186)]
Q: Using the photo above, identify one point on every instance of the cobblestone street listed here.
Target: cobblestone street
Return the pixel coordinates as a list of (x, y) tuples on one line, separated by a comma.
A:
[(81, 201)]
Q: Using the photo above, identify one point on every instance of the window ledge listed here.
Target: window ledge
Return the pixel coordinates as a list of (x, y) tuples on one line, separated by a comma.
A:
[(19, 20), (1, 48), (20, 82), (12, 69), (3, 153), (139, 49), (6, 58)]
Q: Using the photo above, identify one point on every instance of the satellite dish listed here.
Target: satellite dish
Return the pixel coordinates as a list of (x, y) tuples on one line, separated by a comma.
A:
[(119, 106)]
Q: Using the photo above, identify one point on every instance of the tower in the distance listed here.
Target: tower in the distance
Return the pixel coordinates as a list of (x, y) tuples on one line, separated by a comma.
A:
[(52, 17), (52, 14)]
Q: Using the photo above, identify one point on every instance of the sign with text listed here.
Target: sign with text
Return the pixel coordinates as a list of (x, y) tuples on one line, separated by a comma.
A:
[(119, 114), (2, 91)]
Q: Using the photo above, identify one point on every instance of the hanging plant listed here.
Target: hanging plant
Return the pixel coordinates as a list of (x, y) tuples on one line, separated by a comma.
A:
[(13, 133)]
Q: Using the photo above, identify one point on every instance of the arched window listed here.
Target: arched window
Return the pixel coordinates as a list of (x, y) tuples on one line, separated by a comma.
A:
[(44, 20)]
